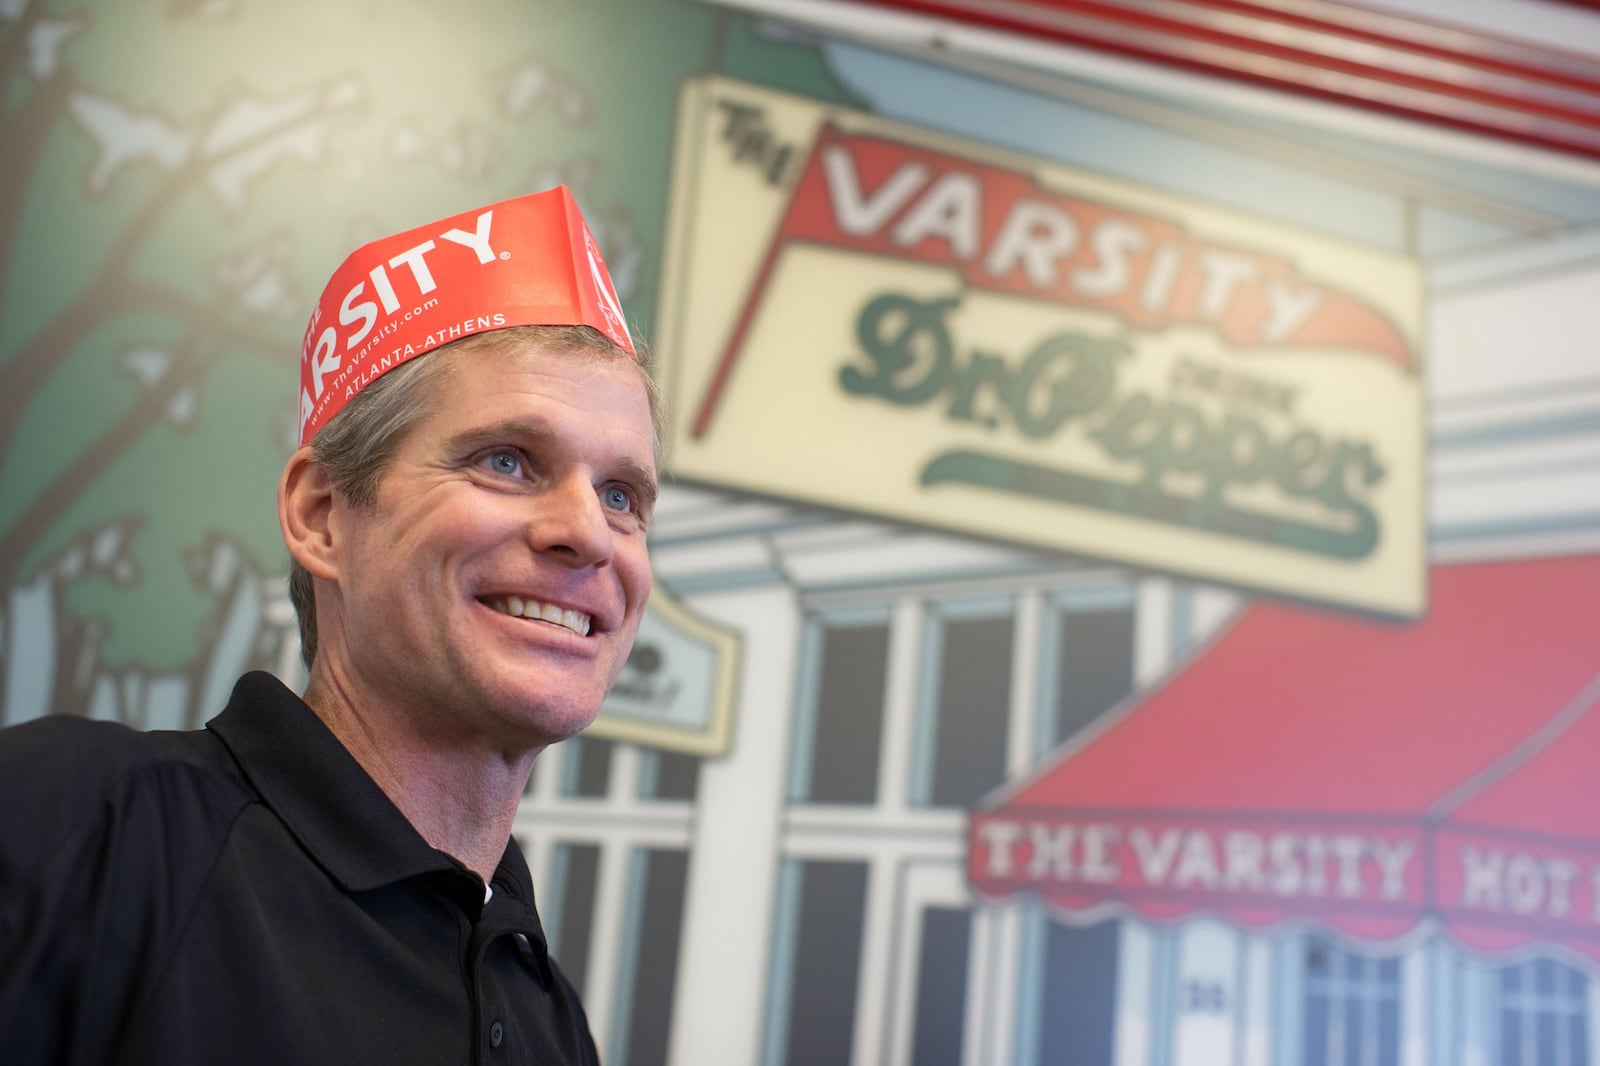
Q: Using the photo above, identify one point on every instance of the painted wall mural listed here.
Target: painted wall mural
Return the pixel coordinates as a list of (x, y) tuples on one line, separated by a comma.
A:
[(890, 782), (171, 207)]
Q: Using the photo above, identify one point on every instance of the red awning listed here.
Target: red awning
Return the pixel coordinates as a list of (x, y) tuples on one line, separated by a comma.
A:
[(1517, 855), (1372, 777)]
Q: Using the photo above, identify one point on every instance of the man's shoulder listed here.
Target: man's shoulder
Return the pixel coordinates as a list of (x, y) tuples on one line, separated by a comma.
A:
[(62, 776), (88, 755)]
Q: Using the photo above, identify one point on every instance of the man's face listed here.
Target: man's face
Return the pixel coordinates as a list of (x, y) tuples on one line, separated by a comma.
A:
[(496, 584)]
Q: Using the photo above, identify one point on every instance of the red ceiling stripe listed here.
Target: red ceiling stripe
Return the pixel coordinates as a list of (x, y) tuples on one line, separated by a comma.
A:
[(1329, 51), (1425, 38)]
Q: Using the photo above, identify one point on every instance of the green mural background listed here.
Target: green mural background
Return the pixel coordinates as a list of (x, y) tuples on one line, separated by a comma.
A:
[(179, 180)]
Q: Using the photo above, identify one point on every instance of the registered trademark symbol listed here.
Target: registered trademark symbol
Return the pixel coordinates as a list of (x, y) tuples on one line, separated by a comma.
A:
[(505, 255)]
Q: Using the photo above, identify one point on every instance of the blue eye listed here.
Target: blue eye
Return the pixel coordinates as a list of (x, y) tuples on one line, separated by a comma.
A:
[(617, 498), (506, 463)]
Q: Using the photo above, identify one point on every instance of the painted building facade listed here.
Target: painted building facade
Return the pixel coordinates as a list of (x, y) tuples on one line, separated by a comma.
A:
[(816, 888)]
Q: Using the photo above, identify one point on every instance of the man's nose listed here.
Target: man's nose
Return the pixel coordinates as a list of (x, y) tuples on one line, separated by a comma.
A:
[(571, 522)]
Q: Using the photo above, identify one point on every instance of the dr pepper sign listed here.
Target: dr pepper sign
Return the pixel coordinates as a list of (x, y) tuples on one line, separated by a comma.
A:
[(868, 316)]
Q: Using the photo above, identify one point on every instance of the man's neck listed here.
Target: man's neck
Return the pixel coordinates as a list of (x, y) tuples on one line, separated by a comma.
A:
[(458, 792)]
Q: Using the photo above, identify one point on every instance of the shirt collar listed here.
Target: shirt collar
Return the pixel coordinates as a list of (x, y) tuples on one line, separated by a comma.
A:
[(330, 804)]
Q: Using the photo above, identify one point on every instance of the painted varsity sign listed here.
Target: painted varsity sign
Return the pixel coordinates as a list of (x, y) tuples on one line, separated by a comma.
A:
[(1375, 881), (862, 315), (1274, 866)]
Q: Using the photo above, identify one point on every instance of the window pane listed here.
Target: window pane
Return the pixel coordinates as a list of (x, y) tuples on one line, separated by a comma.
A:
[(586, 770), (1544, 1041), (1078, 1013), (1352, 1029), (849, 714), (1352, 1007), (1094, 667), (827, 963), (1543, 1014), (671, 775), (942, 987), (972, 703), (656, 957), (1510, 1038), (1317, 1031), (581, 865), (1389, 1032)]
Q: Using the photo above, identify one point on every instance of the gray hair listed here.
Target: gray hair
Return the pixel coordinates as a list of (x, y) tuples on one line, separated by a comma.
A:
[(356, 446)]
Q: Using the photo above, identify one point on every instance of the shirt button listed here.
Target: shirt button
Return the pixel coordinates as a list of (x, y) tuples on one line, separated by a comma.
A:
[(496, 1034)]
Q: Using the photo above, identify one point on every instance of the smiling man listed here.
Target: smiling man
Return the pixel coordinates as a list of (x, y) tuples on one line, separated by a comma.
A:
[(332, 879)]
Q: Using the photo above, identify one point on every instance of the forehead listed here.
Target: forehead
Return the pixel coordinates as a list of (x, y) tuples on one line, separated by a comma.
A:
[(592, 392)]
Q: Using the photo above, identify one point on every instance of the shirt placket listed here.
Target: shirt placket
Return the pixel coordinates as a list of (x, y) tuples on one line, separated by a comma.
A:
[(505, 970)]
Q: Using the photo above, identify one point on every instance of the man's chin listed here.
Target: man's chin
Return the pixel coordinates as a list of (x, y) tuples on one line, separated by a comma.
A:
[(546, 724)]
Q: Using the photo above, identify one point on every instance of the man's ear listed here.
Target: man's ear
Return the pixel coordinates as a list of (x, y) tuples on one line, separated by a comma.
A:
[(305, 506)]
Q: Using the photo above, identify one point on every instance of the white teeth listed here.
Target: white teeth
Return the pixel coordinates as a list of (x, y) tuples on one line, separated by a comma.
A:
[(518, 607)]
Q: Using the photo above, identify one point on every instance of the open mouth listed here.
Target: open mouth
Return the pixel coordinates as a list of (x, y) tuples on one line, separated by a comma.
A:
[(534, 611)]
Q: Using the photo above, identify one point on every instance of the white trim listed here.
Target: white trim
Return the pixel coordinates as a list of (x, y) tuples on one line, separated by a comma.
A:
[(1594, 1017), (1207, 955), (991, 1035), (1153, 639), (899, 711), (601, 993), (730, 894), (1415, 995), (1024, 713), (1133, 1038), (1477, 1013), (1253, 1021), (877, 960)]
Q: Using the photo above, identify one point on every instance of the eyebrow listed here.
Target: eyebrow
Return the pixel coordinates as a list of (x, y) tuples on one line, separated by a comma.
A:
[(515, 429)]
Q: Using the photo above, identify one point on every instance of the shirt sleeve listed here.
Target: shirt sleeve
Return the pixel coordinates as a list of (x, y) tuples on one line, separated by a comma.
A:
[(105, 842)]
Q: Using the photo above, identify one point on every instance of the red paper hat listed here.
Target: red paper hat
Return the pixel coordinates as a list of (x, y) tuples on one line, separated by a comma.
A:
[(525, 262)]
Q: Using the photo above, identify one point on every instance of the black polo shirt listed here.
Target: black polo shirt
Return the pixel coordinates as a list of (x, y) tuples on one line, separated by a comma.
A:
[(245, 894)]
